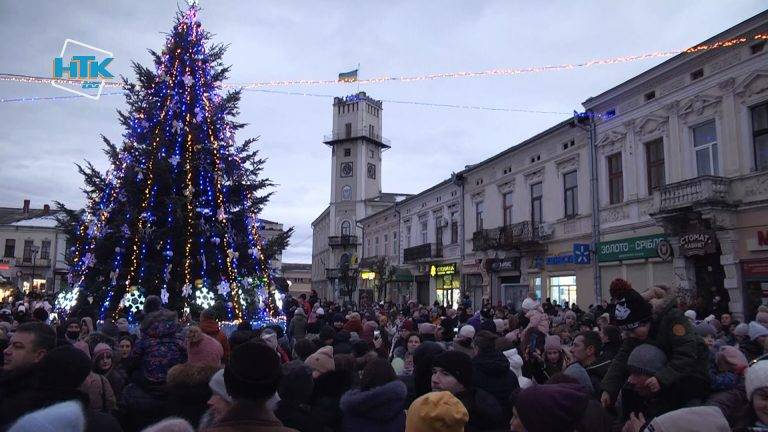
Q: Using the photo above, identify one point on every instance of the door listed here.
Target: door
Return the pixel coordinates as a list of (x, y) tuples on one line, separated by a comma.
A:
[(422, 291), (514, 293)]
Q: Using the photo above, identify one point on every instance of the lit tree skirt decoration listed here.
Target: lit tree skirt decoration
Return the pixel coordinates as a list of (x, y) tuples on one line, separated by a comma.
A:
[(133, 300), (204, 298), (66, 299)]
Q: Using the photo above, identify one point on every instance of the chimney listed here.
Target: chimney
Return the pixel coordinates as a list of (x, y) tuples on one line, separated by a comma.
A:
[(25, 209), (46, 210)]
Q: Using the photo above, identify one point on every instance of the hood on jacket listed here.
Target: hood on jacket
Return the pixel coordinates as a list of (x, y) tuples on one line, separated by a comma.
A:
[(492, 363), (662, 299), (88, 322), (162, 323), (209, 326), (379, 403)]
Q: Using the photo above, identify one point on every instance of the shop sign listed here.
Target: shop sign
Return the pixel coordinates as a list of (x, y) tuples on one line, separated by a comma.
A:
[(506, 264), (581, 253), (758, 241), (560, 259), (442, 269), (698, 243), (753, 269), (367, 275), (630, 248)]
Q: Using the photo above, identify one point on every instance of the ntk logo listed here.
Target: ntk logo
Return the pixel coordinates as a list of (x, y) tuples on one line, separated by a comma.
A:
[(91, 69)]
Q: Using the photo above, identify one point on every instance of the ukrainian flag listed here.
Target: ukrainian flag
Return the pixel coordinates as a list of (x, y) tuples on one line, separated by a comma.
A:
[(350, 76)]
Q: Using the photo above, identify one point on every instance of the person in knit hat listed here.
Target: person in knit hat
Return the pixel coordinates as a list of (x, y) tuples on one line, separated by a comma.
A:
[(491, 371), (219, 402), (452, 371), (295, 391), (754, 348), (203, 349), (695, 419), (436, 412), (762, 318), (691, 315), (252, 389), (707, 333), (549, 408), (321, 361), (105, 363), (756, 386), (653, 318), (554, 358), (728, 372), (63, 417)]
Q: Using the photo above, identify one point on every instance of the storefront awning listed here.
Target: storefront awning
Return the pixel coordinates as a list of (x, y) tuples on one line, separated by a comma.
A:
[(403, 275)]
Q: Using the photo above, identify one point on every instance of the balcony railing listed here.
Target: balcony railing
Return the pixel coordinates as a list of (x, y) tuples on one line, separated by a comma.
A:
[(505, 238), (699, 190), (422, 252), (358, 133), (342, 241)]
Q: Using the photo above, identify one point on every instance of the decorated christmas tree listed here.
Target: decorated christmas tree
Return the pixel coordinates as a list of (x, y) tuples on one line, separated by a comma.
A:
[(176, 215)]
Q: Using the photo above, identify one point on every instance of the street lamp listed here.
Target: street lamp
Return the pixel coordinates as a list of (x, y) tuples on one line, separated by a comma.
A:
[(35, 250)]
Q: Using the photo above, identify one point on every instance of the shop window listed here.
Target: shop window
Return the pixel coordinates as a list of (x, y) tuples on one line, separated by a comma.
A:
[(760, 135), (562, 289), (615, 179), (654, 163), (705, 146)]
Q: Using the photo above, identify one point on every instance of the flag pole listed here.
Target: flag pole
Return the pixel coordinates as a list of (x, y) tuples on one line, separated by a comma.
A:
[(358, 77)]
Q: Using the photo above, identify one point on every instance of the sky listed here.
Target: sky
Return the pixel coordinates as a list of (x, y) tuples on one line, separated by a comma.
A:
[(41, 141)]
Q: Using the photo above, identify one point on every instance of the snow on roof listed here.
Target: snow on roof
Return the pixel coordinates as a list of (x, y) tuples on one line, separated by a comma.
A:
[(41, 222)]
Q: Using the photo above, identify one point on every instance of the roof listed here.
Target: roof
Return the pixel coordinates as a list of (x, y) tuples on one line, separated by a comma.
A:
[(48, 221), (744, 26), (9, 215), (288, 267)]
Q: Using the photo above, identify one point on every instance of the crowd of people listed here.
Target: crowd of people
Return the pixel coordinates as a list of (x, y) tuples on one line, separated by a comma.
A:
[(637, 363)]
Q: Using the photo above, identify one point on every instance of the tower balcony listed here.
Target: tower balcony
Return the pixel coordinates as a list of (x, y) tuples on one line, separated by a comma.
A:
[(366, 134)]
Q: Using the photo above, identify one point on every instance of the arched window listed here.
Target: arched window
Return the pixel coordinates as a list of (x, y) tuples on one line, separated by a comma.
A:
[(345, 226)]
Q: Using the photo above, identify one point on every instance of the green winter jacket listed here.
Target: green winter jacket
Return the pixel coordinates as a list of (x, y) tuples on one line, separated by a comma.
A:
[(686, 368)]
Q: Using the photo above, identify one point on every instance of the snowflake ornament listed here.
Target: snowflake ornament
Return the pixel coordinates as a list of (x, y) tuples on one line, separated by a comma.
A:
[(188, 80), (133, 300), (220, 215), (186, 290), (67, 299), (223, 288), (204, 298), (177, 125), (174, 160)]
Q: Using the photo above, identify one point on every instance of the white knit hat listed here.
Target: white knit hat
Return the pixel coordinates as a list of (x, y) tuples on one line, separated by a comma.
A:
[(756, 330), (741, 330), (690, 314), (757, 377), (529, 304), (694, 419), (467, 332)]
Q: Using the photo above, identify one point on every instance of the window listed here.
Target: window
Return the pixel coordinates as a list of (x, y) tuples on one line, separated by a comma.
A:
[(386, 243), (345, 227), (10, 248), (376, 246), (408, 236), (348, 130), (394, 243), (698, 73), (757, 48), (507, 208), (562, 289), (370, 131), (27, 251), (654, 161), (346, 193), (439, 231), (454, 228), (611, 113), (347, 152), (479, 208), (369, 248), (570, 193), (371, 171), (705, 146), (760, 135), (615, 179), (650, 95), (45, 250), (536, 194), (424, 232)]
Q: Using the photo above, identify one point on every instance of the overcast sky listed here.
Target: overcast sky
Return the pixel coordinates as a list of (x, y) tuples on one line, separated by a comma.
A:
[(41, 141)]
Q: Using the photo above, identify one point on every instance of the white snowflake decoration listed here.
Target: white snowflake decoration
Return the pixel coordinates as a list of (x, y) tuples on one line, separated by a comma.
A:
[(223, 288), (133, 300), (188, 80), (176, 126), (174, 160), (204, 298), (67, 299)]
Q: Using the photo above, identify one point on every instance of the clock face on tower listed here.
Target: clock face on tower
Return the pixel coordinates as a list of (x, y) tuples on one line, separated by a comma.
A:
[(346, 169)]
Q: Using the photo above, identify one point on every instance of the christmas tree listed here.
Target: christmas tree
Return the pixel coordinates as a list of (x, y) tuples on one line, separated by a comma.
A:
[(176, 213)]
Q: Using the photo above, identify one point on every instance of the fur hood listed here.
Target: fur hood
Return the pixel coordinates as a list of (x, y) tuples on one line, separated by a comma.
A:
[(662, 298), (378, 404)]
